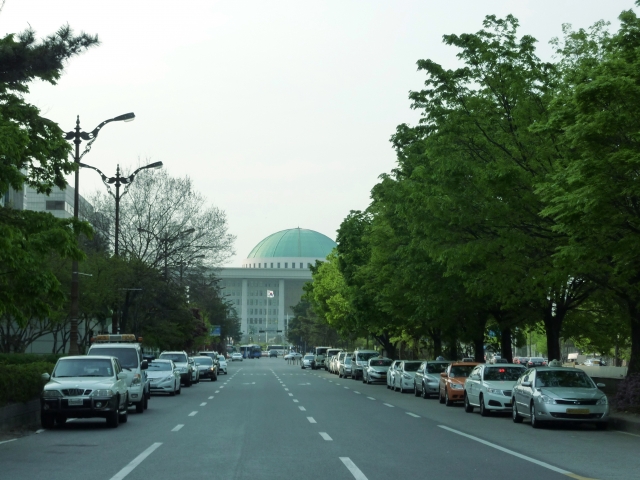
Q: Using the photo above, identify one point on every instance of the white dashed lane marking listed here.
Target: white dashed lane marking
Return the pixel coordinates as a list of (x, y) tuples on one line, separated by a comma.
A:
[(412, 414), (193, 414), (176, 428), (311, 420), (388, 405), (302, 409), (355, 471), (326, 436)]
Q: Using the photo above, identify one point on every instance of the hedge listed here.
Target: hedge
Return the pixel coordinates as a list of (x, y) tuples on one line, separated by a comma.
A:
[(21, 383), (24, 358)]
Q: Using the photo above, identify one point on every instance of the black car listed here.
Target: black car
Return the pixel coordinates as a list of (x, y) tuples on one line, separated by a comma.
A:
[(273, 353), (207, 367)]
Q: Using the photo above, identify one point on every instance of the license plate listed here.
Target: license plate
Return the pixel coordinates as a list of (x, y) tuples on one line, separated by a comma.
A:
[(75, 402), (578, 411)]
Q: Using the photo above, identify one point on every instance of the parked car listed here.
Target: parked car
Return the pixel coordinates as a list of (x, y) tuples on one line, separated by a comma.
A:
[(339, 358), (195, 371), (521, 360), (128, 351), (594, 362), (489, 387), (376, 370), (344, 369), (292, 356), (236, 356), (181, 359), (391, 373), (359, 361), (85, 387), (222, 365), (536, 362), (206, 367), (559, 394), (403, 379), (214, 356), (331, 355), (307, 361), (164, 377), (427, 379), (452, 382)]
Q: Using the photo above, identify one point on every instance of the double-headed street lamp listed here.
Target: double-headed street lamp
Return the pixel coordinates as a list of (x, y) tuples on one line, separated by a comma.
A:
[(119, 180), (78, 136)]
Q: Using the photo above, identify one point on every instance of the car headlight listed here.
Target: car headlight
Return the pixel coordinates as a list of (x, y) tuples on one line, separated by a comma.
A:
[(136, 379), (102, 393), (183, 369), (546, 399), (495, 391), (167, 379), (456, 386), (51, 394), (603, 401)]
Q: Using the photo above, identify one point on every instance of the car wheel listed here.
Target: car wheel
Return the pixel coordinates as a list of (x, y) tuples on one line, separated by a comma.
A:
[(515, 416), (447, 402), (179, 391), (123, 416), (484, 411), (146, 400), (425, 395), (188, 383), (173, 393), (113, 419), (215, 377), (368, 380), (415, 390), (467, 406), (440, 397), (47, 420), (140, 406), (535, 423), (60, 420)]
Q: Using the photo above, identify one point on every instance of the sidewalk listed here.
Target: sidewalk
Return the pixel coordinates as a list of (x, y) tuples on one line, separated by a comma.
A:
[(625, 422)]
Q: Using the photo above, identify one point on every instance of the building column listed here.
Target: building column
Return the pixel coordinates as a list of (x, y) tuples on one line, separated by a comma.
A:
[(281, 308), (244, 319)]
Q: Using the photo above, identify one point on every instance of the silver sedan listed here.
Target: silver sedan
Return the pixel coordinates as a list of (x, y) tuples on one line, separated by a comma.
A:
[(376, 370), (559, 394)]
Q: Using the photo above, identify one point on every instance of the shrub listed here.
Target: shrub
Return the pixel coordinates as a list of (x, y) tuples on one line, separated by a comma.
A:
[(21, 383), (628, 395), (24, 358)]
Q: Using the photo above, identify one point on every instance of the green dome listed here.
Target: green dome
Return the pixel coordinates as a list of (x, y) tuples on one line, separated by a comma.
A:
[(296, 242)]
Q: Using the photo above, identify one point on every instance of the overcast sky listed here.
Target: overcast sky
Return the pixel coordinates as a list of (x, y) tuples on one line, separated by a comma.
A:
[(280, 111)]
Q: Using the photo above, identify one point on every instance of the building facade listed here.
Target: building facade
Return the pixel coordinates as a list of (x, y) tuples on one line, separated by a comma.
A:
[(270, 281)]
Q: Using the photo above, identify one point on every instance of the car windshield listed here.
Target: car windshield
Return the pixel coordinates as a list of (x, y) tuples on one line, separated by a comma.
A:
[(203, 361), (308, 357), (412, 366), (160, 366), (221, 358), (363, 357), (502, 373), (380, 363), (563, 378), (81, 367), (347, 360), (461, 371), (176, 357), (436, 367), (128, 356), (536, 359)]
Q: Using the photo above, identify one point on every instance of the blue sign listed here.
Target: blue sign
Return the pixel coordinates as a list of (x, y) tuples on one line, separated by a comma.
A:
[(215, 331)]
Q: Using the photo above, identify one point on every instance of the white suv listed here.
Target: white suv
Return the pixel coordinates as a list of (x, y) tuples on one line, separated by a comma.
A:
[(129, 352), (181, 359)]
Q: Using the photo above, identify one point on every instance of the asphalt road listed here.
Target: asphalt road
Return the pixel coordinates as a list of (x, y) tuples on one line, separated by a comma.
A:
[(271, 420)]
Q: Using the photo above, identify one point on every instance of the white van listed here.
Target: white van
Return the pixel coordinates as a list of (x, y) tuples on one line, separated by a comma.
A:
[(127, 349)]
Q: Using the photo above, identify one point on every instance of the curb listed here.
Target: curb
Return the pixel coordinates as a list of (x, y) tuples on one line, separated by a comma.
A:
[(624, 425)]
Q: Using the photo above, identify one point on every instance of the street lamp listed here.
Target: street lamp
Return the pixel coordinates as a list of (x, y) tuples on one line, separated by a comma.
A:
[(183, 264), (165, 240), (78, 136), (119, 180)]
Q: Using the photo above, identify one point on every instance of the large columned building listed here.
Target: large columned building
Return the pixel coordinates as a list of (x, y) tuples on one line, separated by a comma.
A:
[(270, 281)]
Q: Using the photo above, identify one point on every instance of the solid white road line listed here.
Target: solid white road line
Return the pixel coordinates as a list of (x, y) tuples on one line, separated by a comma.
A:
[(302, 409), (311, 420), (193, 414), (412, 414), (388, 405), (626, 433), (177, 427), (371, 398), (511, 452), (326, 436), (7, 441), (355, 471), (135, 462), (203, 404)]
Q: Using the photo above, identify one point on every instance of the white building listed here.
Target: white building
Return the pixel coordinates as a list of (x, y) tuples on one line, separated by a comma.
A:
[(270, 281)]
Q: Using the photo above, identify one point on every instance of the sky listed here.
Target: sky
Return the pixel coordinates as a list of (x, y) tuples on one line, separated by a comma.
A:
[(280, 111)]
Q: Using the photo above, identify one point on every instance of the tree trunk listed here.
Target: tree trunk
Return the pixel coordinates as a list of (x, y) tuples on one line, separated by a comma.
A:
[(478, 348), (388, 346), (505, 344), (552, 327), (634, 317)]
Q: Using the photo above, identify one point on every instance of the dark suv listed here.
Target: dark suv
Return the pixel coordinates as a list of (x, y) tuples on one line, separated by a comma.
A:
[(273, 353)]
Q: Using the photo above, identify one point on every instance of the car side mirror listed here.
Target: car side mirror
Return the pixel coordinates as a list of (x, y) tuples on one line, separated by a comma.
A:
[(443, 374), (122, 376), (526, 384), (45, 377), (144, 365)]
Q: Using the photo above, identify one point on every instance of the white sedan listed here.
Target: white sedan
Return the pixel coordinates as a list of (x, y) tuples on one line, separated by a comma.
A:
[(405, 374), (223, 364), (489, 387), (292, 356), (236, 356)]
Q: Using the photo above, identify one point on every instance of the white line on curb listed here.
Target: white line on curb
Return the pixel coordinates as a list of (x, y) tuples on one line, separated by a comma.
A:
[(355, 471), (135, 462), (177, 427)]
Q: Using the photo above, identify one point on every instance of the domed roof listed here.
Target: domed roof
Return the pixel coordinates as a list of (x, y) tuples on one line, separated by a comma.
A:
[(295, 242)]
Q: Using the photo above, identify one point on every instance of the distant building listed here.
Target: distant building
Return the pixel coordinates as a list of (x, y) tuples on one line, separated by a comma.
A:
[(270, 281), (59, 203)]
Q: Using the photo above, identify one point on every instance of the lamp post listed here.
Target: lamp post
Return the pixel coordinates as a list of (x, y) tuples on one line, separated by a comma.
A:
[(183, 264), (78, 136), (166, 240), (119, 180)]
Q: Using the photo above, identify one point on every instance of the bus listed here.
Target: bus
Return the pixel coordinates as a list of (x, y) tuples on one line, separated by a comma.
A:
[(251, 351), (277, 348)]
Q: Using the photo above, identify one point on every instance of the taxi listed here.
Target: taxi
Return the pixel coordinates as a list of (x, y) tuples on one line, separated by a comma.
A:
[(452, 380)]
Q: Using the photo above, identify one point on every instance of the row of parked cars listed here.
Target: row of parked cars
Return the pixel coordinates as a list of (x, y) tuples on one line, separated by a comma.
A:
[(540, 393), (115, 375)]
